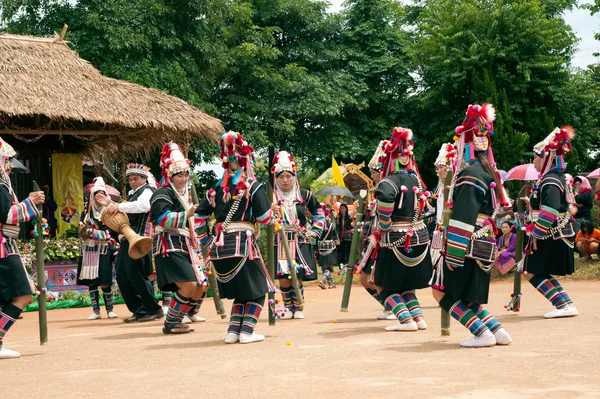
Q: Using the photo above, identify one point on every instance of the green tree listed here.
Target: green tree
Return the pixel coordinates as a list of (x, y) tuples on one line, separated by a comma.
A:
[(514, 53)]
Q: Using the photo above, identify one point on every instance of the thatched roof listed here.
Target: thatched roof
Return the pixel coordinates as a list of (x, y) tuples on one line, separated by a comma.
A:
[(46, 88)]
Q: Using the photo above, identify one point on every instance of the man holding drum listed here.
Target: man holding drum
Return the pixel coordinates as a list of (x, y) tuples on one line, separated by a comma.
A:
[(132, 274)]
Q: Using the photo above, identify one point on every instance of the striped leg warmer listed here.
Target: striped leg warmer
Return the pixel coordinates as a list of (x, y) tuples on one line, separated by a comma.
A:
[(295, 305), (412, 303), (549, 290), (374, 294), (486, 317), (179, 307), (95, 299), (395, 304), (8, 315), (561, 290), (329, 277), (286, 297), (237, 314), (251, 314), (166, 298), (108, 299), (461, 312), (194, 310)]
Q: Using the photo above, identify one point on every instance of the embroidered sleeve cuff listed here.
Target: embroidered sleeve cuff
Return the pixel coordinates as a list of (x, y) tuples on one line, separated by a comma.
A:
[(458, 235), (384, 213), (265, 217), (172, 220), (544, 222), (22, 212), (318, 224)]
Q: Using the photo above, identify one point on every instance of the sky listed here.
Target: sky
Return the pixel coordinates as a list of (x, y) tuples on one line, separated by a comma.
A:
[(582, 22)]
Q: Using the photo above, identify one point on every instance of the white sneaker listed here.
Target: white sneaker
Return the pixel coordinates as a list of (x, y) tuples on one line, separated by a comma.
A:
[(6, 353), (391, 316), (94, 316), (232, 338), (485, 339), (502, 337), (421, 325), (298, 315), (248, 339), (288, 314), (112, 315), (186, 320), (412, 326), (384, 316), (197, 319), (165, 309), (567, 311)]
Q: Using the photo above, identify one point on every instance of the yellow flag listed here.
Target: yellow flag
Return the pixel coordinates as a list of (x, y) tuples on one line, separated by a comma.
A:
[(67, 179), (336, 173)]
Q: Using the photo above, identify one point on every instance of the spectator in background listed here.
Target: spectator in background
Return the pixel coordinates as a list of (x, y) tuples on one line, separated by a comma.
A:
[(583, 201), (507, 244), (48, 209), (587, 240)]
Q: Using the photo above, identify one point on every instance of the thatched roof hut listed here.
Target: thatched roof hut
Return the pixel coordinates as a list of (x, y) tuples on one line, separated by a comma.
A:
[(53, 99)]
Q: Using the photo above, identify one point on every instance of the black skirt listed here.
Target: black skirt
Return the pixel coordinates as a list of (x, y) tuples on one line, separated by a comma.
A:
[(394, 276), (330, 259), (105, 270), (308, 257), (174, 268), (552, 257), (249, 283), (468, 283), (13, 279)]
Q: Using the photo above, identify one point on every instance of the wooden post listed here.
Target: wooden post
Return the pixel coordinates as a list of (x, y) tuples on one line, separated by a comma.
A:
[(212, 279), (353, 252), (271, 256), (445, 317), (41, 276), (518, 254)]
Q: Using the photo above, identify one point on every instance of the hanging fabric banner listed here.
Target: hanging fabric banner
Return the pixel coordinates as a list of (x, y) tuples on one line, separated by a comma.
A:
[(67, 180)]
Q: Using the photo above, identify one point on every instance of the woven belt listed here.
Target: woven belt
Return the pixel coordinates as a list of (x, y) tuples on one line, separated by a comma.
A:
[(239, 226), (405, 226)]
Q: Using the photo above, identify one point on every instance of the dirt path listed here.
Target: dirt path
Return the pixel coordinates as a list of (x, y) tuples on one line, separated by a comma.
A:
[(330, 354)]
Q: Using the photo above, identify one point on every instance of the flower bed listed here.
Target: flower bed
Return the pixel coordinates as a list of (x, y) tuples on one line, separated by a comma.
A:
[(55, 250)]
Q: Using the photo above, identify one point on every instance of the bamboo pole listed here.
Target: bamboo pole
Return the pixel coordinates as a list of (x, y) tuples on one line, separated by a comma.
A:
[(212, 279), (271, 256), (445, 316), (292, 266), (518, 254), (41, 275), (353, 252)]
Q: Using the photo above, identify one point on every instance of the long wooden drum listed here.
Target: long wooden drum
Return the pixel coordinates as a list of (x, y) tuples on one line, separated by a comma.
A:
[(138, 246)]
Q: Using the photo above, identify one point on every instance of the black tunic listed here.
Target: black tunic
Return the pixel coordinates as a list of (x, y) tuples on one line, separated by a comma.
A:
[(472, 195), (398, 270), (553, 256), (105, 266), (250, 280), (139, 224), (14, 281), (170, 249), (306, 256)]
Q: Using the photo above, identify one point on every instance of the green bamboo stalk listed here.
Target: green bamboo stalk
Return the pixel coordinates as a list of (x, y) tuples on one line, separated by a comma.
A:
[(519, 252), (41, 275), (353, 253), (270, 256), (445, 316)]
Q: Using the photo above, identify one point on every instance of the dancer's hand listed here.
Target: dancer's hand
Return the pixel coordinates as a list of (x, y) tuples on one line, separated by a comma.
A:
[(37, 197), (190, 212), (275, 209), (534, 243), (112, 209), (450, 267)]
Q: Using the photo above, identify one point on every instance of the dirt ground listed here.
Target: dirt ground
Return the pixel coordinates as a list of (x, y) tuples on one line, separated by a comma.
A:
[(328, 354)]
